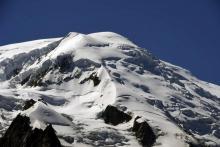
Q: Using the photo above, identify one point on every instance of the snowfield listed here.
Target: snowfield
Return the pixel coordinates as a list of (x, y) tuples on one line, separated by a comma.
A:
[(74, 78)]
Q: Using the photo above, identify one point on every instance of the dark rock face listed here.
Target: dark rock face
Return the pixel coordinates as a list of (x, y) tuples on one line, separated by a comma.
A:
[(144, 132), (196, 145), (92, 77), (65, 63), (25, 80), (113, 116), (28, 104), (49, 138), (20, 134)]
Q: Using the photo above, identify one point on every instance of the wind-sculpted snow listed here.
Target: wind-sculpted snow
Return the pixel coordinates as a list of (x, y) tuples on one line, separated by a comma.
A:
[(73, 79)]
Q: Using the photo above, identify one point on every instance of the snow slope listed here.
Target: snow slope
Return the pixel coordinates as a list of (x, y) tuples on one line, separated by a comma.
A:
[(79, 75)]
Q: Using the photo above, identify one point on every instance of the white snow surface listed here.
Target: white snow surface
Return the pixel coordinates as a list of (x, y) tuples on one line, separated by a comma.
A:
[(179, 107)]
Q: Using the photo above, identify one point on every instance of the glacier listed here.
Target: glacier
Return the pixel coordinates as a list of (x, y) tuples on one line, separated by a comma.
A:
[(74, 78)]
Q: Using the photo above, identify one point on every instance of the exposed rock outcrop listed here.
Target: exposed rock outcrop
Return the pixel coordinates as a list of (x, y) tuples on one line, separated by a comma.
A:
[(21, 134), (143, 132), (113, 116), (28, 104), (92, 77)]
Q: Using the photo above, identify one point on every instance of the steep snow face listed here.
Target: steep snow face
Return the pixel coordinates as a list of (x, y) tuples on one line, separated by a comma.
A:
[(15, 57), (79, 75), (40, 115)]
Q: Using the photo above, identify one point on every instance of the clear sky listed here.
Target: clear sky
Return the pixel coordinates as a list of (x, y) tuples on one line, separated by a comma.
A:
[(183, 32)]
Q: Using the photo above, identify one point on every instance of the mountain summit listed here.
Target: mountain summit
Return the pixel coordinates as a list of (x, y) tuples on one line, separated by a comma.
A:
[(101, 89)]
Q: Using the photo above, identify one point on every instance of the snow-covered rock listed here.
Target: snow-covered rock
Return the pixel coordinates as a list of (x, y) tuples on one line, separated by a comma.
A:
[(20, 134), (144, 132), (79, 75)]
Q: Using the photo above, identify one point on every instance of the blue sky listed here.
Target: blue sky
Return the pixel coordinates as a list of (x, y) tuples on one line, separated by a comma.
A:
[(183, 32)]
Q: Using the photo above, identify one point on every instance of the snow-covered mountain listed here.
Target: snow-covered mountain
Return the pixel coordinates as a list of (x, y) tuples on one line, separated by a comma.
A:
[(101, 89)]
